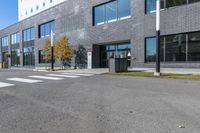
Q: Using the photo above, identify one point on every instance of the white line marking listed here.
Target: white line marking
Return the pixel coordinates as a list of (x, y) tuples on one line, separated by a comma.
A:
[(2, 84), (45, 77), (78, 74), (25, 80), (64, 76)]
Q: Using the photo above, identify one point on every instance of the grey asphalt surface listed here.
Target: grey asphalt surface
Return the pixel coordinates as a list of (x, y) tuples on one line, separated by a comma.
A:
[(99, 104)]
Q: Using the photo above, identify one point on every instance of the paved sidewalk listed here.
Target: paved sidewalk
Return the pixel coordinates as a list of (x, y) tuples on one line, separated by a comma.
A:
[(170, 70), (88, 71)]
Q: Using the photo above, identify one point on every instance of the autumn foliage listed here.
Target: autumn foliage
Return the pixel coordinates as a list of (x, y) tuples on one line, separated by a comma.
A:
[(62, 50)]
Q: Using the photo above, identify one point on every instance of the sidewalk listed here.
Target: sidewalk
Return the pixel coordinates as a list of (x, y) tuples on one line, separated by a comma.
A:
[(88, 71), (170, 70)]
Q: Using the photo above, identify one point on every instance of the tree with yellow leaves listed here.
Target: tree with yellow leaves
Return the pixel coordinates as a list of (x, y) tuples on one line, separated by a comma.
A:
[(47, 50), (63, 52)]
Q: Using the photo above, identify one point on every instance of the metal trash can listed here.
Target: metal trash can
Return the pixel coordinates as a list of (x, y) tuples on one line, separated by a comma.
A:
[(118, 65)]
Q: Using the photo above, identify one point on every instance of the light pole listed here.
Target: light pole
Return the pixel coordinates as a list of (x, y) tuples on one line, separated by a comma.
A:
[(52, 51), (157, 73)]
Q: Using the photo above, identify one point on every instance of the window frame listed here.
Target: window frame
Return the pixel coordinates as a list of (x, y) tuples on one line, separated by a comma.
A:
[(117, 13)]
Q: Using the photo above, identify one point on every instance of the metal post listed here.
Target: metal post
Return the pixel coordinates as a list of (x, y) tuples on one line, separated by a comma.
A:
[(52, 51), (157, 73)]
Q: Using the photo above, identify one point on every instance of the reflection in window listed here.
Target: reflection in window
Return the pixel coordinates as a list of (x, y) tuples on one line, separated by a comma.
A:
[(28, 34), (42, 55), (45, 29), (15, 57), (171, 3), (151, 49), (192, 1), (175, 48), (124, 9), (194, 46), (4, 41), (29, 56), (112, 11), (151, 5)]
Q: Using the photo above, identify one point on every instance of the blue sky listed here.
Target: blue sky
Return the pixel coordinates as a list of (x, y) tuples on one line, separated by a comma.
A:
[(8, 13)]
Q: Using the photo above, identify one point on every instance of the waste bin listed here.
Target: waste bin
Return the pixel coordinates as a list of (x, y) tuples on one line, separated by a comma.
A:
[(118, 65)]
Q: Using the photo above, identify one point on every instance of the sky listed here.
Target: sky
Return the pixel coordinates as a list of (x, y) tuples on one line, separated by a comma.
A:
[(8, 13)]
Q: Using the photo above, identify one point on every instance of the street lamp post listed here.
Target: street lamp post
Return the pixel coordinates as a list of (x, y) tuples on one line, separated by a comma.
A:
[(157, 73), (52, 51)]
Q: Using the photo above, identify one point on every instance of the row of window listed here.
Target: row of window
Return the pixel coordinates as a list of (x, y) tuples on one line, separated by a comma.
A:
[(29, 34), (151, 4), (37, 7), (175, 48), (112, 11)]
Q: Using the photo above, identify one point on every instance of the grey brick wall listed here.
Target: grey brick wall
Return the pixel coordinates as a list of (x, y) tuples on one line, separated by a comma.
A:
[(74, 19)]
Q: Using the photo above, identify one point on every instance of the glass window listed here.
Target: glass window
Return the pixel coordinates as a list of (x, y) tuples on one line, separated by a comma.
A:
[(124, 9), (42, 55), (111, 11), (45, 29), (28, 34), (194, 46), (15, 57), (151, 49), (192, 1), (99, 15), (15, 38), (171, 3), (4, 41), (150, 6), (29, 56), (32, 33), (175, 46)]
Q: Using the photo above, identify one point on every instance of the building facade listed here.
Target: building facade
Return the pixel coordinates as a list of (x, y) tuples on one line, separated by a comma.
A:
[(28, 8), (109, 28)]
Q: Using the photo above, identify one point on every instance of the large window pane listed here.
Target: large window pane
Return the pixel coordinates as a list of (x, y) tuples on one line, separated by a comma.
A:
[(45, 29), (15, 57), (175, 48), (192, 1), (4, 41), (111, 11), (32, 34), (99, 15), (171, 3), (124, 9), (150, 6), (194, 46), (162, 49), (151, 49)]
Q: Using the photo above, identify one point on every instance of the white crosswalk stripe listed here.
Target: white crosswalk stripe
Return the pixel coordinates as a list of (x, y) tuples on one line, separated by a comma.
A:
[(25, 80), (46, 77), (64, 76), (2, 84), (78, 74)]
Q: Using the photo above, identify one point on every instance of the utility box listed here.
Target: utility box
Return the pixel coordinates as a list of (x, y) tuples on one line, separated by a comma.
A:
[(118, 65)]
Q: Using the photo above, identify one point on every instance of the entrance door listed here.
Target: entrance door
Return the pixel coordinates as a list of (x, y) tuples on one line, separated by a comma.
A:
[(29, 56), (5, 60)]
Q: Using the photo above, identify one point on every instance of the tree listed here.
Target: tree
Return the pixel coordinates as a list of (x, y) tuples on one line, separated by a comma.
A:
[(63, 52), (47, 49)]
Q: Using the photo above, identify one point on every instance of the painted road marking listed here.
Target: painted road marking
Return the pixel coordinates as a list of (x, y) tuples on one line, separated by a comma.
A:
[(79, 74), (64, 76), (25, 80), (45, 77), (2, 84)]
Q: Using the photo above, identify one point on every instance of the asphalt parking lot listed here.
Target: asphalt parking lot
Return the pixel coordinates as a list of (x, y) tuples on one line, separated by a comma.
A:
[(44, 102)]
